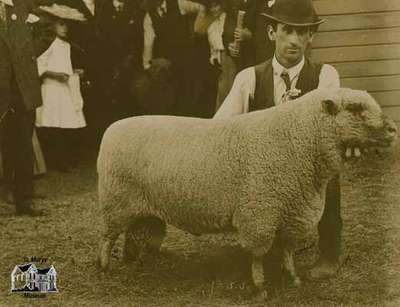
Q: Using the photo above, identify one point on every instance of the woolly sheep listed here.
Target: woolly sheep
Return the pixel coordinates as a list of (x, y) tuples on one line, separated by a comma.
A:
[(258, 175)]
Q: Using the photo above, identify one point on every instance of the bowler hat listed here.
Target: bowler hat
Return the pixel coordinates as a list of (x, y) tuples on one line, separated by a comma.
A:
[(298, 13)]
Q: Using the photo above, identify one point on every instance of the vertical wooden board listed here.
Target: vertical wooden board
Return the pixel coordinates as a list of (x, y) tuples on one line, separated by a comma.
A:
[(361, 21), (387, 99), (356, 53), (330, 7), (393, 113), (373, 84), (368, 68), (356, 37)]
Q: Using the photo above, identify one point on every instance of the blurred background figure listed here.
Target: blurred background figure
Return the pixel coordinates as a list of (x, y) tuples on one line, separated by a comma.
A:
[(20, 96), (234, 32), (120, 30), (169, 32), (60, 118), (237, 40)]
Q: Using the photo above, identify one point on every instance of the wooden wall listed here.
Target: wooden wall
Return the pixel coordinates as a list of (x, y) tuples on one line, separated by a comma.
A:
[(361, 38)]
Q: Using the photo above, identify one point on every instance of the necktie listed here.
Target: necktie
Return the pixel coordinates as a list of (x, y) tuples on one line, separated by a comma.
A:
[(285, 77)]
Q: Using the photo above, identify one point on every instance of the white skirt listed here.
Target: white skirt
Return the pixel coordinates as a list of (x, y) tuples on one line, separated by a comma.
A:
[(62, 104)]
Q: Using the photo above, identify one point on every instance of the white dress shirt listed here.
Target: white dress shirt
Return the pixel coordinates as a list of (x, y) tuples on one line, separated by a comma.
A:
[(279, 83), (243, 88)]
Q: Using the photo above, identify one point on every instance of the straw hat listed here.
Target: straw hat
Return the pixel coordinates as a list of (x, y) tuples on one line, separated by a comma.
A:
[(63, 12)]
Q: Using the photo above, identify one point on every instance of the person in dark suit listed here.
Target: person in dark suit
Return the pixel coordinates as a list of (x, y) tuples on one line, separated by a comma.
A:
[(111, 37), (120, 28), (20, 95)]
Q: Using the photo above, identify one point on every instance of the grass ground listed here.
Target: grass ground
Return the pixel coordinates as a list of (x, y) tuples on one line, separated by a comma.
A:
[(195, 271)]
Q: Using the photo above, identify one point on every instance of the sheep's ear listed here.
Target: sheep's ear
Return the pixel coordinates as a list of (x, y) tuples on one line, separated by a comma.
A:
[(330, 106)]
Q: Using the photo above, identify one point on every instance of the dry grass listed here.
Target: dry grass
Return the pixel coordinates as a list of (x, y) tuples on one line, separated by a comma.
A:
[(197, 272)]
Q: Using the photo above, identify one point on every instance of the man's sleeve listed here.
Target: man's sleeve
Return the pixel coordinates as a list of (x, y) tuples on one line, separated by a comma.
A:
[(329, 77), (190, 7), (42, 61), (237, 101), (215, 31)]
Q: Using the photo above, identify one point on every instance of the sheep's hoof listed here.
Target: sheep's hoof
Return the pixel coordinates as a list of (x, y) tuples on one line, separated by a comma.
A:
[(103, 259), (323, 269)]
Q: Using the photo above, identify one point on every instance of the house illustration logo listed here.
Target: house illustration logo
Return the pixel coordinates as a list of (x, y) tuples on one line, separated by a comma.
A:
[(27, 278)]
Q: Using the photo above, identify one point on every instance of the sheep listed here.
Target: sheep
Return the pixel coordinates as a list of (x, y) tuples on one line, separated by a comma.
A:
[(260, 176)]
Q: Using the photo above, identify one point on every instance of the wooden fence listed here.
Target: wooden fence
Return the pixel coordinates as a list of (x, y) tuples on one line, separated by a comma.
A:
[(361, 38)]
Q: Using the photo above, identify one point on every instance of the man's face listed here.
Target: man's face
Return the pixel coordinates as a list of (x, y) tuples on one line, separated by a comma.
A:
[(290, 42)]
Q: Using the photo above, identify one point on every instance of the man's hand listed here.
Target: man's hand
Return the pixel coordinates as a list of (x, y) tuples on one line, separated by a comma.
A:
[(233, 50), (80, 72), (59, 76), (242, 34), (216, 57)]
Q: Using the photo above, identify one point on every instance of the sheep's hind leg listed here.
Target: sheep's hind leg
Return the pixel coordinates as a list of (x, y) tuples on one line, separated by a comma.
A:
[(144, 235), (289, 266)]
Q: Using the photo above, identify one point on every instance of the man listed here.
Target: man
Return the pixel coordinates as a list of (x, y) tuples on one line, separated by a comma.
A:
[(233, 33), (169, 27), (287, 75), (120, 30), (20, 95)]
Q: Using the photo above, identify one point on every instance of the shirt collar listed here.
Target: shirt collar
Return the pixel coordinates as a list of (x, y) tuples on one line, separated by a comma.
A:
[(8, 2), (292, 71)]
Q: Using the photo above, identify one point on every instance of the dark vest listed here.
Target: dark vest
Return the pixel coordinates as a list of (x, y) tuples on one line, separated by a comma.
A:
[(173, 35), (264, 93)]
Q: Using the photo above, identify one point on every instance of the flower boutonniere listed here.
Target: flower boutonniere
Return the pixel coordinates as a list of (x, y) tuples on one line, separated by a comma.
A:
[(291, 94)]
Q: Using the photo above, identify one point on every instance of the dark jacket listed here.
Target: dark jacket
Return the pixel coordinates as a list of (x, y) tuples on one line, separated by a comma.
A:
[(18, 68)]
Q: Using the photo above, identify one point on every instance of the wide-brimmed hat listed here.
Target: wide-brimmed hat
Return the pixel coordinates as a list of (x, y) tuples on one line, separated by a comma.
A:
[(63, 12), (298, 13)]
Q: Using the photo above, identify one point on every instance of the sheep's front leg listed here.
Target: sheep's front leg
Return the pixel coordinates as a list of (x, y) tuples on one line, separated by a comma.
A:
[(288, 264), (257, 272)]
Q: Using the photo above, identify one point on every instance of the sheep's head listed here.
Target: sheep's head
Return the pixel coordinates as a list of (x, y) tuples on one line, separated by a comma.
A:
[(360, 123)]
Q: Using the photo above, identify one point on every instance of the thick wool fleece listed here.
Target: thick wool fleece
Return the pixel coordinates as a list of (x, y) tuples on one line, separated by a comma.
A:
[(260, 174)]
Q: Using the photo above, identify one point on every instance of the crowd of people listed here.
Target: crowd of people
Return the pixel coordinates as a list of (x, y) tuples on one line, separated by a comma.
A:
[(69, 68), (136, 57), (72, 67)]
